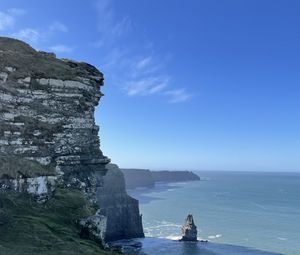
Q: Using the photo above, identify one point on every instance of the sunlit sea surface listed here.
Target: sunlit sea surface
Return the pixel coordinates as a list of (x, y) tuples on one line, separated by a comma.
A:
[(260, 211)]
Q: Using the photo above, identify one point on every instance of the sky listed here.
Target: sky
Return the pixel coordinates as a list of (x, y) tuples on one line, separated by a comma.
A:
[(189, 84)]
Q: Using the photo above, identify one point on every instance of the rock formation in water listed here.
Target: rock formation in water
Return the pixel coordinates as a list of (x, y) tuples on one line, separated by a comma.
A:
[(145, 178), (189, 229), (48, 137)]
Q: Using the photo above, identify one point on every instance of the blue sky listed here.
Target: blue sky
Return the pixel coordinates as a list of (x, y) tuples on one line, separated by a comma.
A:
[(197, 85)]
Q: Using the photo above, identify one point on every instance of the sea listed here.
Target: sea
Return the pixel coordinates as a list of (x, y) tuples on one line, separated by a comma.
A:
[(236, 212)]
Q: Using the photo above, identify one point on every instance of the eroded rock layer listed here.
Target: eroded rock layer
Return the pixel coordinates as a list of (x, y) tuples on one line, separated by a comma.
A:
[(47, 125)]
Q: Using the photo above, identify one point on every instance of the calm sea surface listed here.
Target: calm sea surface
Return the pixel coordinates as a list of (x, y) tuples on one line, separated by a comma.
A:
[(256, 210)]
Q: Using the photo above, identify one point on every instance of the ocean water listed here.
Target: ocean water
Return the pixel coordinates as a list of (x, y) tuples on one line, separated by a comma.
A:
[(232, 210)]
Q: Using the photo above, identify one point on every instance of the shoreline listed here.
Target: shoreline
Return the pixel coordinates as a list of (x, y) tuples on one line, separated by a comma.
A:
[(164, 246)]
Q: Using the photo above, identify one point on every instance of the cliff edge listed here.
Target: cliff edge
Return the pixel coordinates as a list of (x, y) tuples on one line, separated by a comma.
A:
[(49, 140)]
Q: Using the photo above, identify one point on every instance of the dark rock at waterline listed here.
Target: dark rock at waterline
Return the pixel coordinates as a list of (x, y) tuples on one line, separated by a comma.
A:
[(189, 230)]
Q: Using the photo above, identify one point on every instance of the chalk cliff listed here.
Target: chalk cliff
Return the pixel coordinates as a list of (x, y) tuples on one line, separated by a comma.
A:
[(49, 139)]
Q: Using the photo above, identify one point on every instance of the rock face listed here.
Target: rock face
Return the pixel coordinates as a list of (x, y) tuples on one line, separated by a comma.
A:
[(48, 136), (189, 229), (47, 125), (121, 210)]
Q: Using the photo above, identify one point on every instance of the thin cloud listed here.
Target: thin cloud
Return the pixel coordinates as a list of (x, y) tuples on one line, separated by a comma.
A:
[(58, 27), (16, 12), (29, 35), (116, 59), (178, 95), (8, 18), (109, 26), (146, 86), (61, 48), (140, 74), (143, 63), (36, 36), (6, 21)]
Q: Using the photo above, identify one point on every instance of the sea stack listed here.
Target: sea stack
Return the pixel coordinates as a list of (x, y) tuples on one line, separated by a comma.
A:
[(189, 229)]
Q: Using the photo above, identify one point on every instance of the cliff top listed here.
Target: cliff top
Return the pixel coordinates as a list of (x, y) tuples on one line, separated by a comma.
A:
[(38, 64)]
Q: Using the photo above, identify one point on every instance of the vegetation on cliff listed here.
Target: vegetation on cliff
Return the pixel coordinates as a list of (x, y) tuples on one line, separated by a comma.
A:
[(27, 227)]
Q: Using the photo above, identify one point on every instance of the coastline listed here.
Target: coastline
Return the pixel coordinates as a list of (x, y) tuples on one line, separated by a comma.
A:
[(229, 209), (165, 246), (145, 178)]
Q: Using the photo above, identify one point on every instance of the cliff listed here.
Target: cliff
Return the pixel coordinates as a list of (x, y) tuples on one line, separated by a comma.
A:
[(121, 210), (174, 176), (138, 178), (48, 137), (145, 178)]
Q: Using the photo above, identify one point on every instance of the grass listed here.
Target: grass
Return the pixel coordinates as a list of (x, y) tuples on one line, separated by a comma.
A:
[(29, 228), (29, 62)]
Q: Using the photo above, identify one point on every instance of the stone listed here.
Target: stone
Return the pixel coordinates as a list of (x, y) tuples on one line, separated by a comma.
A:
[(189, 229), (94, 228)]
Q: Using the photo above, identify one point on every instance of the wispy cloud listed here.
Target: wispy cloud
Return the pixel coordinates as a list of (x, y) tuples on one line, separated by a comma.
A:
[(35, 36), (146, 86), (143, 63), (61, 48), (6, 21), (140, 71), (178, 95), (29, 35), (16, 12), (8, 18), (109, 25), (58, 27)]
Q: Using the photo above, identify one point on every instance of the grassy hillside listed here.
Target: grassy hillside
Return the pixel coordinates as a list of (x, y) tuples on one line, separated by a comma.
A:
[(29, 228)]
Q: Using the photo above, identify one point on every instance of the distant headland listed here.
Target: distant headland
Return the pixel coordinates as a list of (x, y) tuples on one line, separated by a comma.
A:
[(146, 178)]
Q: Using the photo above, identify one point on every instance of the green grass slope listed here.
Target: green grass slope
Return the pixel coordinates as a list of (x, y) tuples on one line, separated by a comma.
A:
[(29, 228)]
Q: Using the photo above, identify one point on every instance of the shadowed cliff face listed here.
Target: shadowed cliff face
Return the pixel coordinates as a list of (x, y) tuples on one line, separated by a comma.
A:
[(48, 136), (121, 210)]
